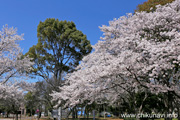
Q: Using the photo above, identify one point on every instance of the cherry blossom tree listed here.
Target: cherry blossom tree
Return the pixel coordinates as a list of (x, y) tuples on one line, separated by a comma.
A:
[(139, 52), (13, 68), (12, 62)]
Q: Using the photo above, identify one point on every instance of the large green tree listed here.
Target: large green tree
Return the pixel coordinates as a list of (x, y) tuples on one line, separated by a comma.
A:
[(59, 49), (150, 5)]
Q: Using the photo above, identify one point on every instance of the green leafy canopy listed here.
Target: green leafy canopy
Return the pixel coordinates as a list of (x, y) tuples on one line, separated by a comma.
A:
[(60, 47)]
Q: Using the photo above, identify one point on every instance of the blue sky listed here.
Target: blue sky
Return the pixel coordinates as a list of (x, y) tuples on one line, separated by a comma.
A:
[(25, 15)]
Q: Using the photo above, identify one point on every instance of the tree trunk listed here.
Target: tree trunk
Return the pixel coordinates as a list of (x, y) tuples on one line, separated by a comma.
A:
[(31, 114), (39, 115), (73, 114), (7, 114), (81, 111), (87, 115), (178, 112), (86, 112), (76, 112), (169, 105), (16, 116), (141, 106)]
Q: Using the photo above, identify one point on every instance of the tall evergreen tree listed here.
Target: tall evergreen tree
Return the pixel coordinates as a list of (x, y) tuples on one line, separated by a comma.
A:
[(59, 49)]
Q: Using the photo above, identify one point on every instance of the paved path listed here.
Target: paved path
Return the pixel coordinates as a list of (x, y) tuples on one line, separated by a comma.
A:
[(5, 119)]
